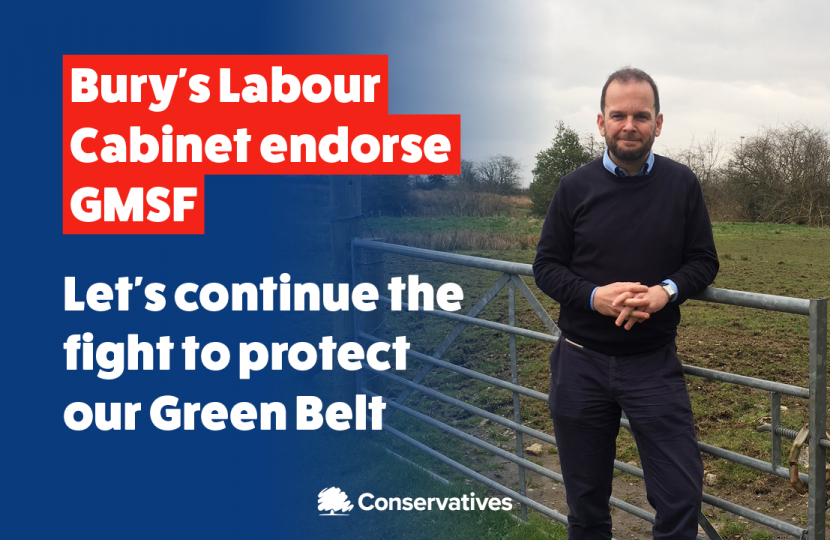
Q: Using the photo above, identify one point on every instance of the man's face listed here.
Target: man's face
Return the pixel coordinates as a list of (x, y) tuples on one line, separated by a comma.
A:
[(629, 122)]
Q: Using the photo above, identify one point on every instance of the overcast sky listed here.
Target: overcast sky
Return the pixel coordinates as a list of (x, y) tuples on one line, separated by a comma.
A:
[(512, 69)]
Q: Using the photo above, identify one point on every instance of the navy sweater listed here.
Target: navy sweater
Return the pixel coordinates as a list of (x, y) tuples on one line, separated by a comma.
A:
[(601, 229)]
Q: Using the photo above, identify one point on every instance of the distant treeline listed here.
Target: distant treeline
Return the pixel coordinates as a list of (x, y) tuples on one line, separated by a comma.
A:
[(779, 175), (489, 187)]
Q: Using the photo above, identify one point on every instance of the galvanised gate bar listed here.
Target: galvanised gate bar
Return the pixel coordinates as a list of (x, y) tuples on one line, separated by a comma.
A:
[(816, 394)]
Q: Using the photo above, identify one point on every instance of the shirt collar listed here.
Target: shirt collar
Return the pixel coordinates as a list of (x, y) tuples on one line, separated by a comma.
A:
[(613, 169)]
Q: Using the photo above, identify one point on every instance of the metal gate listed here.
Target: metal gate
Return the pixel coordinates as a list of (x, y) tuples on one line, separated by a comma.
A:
[(816, 393)]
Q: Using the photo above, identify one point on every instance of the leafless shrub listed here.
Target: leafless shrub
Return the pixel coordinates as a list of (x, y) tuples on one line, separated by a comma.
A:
[(783, 175), (707, 160), (780, 175)]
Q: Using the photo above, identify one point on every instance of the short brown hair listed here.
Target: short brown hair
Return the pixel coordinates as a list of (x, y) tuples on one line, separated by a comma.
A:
[(627, 75)]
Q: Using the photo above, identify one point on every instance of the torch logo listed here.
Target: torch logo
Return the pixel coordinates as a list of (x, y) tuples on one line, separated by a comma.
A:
[(333, 502)]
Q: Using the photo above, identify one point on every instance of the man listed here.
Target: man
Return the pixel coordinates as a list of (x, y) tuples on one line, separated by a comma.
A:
[(626, 240)]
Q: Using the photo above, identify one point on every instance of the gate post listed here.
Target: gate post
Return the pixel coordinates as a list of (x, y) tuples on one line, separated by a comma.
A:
[(514, 378), (345, 214), (367, 267), (818, 418), (374, 322)]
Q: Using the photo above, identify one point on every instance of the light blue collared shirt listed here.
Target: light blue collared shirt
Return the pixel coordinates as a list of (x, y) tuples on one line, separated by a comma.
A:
[(613, 169)]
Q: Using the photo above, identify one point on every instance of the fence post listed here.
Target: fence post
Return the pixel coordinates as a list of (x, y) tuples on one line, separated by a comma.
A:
[(775, 420), (358, 317), (818, 418), (514, 376), (345, 217), (374, 322)]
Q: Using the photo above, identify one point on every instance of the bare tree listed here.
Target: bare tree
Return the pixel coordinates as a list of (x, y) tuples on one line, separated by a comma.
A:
[(595, 147), (784, 173), (499, 174), (705, 158)]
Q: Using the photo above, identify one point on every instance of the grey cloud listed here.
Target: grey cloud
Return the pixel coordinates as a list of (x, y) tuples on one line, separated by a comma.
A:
[(512, 69)]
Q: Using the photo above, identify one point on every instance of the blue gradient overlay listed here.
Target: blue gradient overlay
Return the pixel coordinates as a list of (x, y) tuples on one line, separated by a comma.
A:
[(147, 483)]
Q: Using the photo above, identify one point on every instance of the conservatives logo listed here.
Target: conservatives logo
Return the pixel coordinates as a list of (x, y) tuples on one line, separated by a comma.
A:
[(337, 503), (333, 502)]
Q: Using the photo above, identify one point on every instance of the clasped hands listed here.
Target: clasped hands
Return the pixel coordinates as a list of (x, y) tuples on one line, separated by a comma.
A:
[(628, 302)]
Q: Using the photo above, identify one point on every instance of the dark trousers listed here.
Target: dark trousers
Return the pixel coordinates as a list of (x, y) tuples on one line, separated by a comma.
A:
[(587, 392)]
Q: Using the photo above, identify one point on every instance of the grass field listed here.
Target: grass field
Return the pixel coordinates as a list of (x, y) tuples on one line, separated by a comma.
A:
[(765, 258)]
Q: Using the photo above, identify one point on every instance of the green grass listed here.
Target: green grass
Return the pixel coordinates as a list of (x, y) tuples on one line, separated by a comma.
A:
[(732, 530)]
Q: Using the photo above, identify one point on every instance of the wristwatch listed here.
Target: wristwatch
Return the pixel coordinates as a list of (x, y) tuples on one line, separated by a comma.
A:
[(669, 291)]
